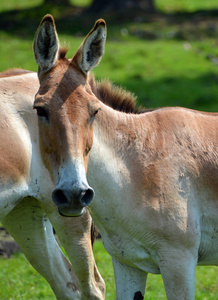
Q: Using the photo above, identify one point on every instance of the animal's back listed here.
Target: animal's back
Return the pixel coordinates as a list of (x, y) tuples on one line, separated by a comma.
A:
[(185, 177)]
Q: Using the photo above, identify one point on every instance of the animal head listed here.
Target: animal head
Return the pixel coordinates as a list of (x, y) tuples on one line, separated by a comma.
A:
[(66, 109)]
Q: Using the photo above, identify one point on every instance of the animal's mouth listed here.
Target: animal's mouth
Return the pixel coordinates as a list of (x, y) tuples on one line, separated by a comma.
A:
[(70, 213)]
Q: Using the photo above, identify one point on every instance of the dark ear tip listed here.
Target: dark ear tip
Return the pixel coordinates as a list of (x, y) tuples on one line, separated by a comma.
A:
[(48, 18), (100, 22)]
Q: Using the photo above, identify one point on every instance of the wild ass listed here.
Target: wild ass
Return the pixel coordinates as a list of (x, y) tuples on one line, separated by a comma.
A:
[(26, 207), (155, 174)]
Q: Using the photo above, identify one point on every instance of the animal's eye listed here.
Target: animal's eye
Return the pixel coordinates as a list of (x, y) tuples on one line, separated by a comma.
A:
[(42, 113), (95, 113)]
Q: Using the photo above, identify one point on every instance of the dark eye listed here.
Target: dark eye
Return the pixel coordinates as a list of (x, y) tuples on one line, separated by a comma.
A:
[(95, 113), (42, 113), (93, 116)]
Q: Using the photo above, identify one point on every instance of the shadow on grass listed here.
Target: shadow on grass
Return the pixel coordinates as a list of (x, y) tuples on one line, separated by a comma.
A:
[(73, 20), (23, 23), (197, 93)]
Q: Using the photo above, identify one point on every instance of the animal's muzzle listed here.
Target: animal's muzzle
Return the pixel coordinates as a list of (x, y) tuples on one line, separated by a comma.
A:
[(71, 202)]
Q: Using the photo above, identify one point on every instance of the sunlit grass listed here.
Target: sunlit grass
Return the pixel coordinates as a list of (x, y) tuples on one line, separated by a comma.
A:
[(18, 280), (176, 69), (14, 4), (185, 5), (25, 4), (160, 73)]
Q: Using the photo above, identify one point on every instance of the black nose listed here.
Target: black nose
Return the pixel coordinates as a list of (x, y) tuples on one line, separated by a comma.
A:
[(76, 198), (87, 196)]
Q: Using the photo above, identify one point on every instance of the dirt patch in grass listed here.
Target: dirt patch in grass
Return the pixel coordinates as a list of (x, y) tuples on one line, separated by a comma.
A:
[(8, 246)]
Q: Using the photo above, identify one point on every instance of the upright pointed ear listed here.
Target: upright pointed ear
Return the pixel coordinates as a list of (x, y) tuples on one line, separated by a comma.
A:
[(92, 49), (46, 44)]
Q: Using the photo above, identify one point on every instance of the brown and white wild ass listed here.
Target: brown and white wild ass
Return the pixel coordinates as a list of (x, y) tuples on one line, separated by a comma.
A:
[(155, 174), (26, 207)]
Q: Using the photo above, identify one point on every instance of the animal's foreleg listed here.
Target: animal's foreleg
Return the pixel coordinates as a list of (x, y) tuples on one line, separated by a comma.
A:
[(177, 268), (75, 236), (130, 283), (30, 227)]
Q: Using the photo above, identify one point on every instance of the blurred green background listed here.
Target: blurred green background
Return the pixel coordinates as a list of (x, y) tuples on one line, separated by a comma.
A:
[(167, 58)]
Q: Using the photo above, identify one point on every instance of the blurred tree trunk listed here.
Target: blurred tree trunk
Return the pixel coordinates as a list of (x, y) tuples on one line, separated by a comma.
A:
[(57, 2), (122, 5)]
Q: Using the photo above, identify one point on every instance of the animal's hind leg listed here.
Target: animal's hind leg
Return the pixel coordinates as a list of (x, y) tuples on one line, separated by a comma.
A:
[(130, 283), (177, 268), (30, 227)]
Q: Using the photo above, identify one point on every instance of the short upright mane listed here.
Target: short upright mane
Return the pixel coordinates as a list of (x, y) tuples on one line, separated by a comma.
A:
[(115, 97), (110, 94)]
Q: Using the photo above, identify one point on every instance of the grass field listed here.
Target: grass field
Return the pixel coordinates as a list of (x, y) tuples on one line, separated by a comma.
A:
[(168, 59), (18, 280)]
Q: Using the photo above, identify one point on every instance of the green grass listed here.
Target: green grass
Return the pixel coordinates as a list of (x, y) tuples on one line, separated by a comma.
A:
[(14, 4), (163, 73), (163, 5), (205, 282), (160, 72), (185, 5), (24, 4), (164, 62), (18, 280)]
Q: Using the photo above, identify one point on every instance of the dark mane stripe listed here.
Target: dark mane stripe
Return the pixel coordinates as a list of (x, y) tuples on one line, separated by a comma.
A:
[(115, 96), (62, 52), (13, 72)]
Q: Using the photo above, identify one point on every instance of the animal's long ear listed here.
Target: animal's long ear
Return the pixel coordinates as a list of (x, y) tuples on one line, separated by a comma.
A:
[(92, 49), (46, 44)]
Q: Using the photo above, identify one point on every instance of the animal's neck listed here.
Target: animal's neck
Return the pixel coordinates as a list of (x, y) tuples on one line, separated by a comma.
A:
[(116, 139), (108, 172), (113, 130)]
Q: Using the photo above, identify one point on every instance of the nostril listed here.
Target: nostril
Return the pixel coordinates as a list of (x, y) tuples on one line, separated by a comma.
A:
[(75, 197), (59, 197), (87, 197)]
